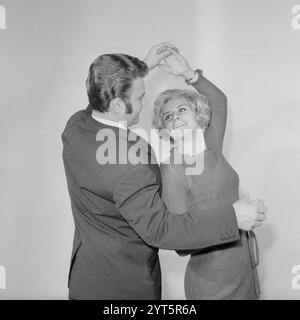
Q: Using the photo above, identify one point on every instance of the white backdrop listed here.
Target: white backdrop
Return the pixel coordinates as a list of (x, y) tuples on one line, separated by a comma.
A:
[(249, 49)]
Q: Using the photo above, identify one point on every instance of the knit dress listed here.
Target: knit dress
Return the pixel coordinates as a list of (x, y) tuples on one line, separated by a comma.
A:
[(225, 271)]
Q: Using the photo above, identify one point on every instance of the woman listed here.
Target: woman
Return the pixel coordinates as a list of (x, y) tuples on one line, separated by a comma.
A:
[(196, 126)]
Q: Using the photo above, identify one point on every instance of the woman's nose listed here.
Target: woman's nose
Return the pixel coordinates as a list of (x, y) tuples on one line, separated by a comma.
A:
[(175, 116)]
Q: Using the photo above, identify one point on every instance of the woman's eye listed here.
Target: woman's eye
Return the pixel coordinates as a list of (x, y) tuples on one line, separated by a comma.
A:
[(182, 109), (167, 117)]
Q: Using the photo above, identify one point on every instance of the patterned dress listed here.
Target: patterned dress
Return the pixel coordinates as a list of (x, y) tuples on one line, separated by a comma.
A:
[(225, 271)]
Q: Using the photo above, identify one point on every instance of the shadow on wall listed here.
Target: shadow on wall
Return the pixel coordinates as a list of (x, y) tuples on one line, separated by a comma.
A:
[(266, 239), (275, 141)]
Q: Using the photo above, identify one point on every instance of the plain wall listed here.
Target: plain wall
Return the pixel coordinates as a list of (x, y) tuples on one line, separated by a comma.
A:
[(248, 49)]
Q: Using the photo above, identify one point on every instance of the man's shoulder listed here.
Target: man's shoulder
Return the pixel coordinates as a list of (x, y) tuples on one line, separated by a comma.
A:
[(77, 116)]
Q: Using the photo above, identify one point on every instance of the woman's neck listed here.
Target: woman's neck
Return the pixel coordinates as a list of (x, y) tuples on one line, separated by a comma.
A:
[(192, 143)]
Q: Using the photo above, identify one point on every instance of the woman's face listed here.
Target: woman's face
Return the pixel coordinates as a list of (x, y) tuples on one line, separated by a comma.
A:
[(177, 116)]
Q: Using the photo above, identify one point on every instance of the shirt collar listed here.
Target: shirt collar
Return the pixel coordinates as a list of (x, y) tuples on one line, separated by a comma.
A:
[(117, 124)]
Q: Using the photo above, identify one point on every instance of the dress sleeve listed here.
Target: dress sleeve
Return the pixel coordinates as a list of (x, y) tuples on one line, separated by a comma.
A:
[(214, 134)]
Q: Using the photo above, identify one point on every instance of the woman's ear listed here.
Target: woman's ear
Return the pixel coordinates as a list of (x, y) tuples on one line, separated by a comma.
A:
[(198, 119), (201, 122)]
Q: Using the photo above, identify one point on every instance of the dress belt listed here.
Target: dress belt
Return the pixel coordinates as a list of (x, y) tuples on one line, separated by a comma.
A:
[(253, 248), (254, 258)]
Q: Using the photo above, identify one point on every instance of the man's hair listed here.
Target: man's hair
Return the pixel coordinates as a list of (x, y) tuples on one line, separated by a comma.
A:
[(111, 76), (195, 100)]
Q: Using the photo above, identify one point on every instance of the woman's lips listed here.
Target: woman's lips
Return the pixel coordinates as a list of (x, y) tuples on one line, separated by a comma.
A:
[(179, 125)]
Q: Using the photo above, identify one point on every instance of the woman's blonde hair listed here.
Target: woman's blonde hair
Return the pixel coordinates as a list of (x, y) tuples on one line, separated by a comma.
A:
[(196, 101)]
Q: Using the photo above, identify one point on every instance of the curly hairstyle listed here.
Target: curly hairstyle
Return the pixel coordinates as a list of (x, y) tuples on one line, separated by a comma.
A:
[(196, 101), (111, 76)]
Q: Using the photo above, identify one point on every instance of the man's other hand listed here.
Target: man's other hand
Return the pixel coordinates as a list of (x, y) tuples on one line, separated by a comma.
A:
[(249, 214)]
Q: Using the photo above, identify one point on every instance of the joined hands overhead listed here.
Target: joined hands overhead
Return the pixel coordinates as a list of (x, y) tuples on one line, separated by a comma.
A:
[(157, 53), (166, 56)]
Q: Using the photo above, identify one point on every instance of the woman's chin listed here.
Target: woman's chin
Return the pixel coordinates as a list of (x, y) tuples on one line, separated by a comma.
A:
[(176, 134)]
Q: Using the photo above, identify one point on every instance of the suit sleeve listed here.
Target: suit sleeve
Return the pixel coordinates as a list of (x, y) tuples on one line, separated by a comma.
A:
[(174, 191), (137, 198), (214, 134), (174, 195)]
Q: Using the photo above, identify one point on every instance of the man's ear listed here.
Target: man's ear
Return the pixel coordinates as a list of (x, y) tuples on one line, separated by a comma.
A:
[(117, 106)]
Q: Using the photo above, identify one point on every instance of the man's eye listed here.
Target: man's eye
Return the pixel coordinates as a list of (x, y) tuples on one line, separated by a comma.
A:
[(167, 117)]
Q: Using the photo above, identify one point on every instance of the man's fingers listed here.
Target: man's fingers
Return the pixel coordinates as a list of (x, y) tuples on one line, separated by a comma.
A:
[(165, 53), (175, 51), (258, 202), (165, 46), (166, 43), (257, 224), (262, 209), (261, 217)]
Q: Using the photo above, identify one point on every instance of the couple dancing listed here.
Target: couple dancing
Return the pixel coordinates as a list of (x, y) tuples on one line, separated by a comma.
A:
[(125, 212)]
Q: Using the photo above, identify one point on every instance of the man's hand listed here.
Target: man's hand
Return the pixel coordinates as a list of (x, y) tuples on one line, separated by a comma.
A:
[(158, 52), (249, 214), (177, 65)]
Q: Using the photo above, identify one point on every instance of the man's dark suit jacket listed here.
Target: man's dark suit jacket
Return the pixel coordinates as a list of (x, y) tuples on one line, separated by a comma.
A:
[(121, 221)]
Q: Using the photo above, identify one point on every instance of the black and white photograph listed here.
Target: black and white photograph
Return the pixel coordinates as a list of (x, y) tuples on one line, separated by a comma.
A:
[(150, 150)]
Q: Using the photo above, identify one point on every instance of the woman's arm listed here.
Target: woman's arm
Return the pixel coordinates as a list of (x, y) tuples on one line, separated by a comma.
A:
[(214, 134), (176, 64)]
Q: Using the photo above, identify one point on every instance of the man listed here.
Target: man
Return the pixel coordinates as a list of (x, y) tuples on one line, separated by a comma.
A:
[(120, 219)]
